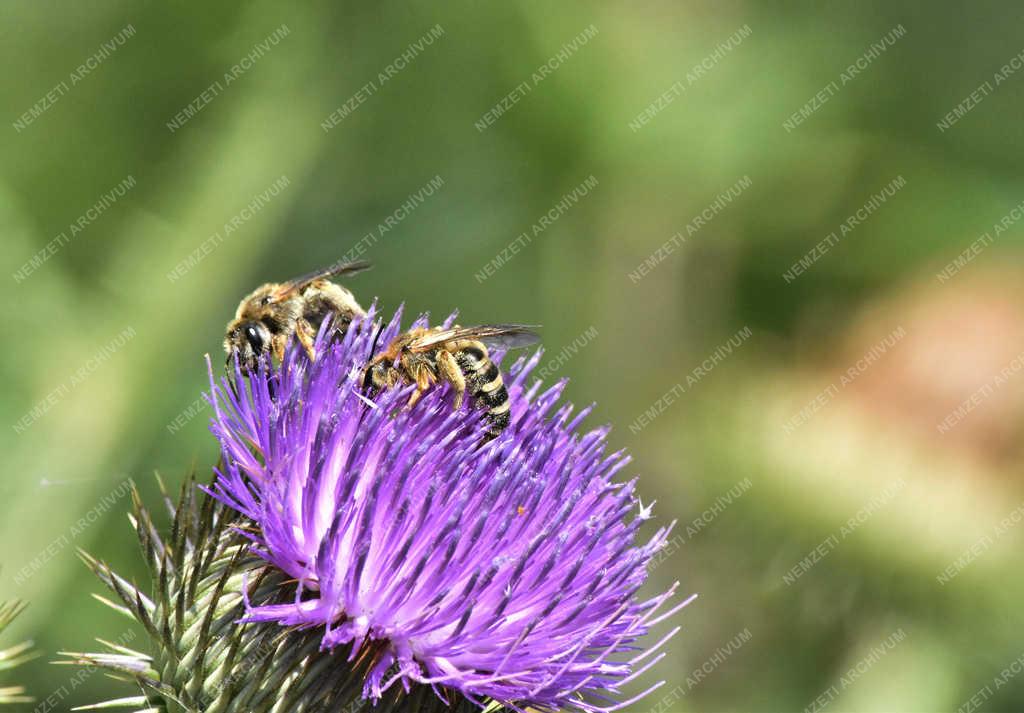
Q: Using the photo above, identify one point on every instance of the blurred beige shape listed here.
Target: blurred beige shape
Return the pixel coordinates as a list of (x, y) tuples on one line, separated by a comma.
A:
[(956, 378)]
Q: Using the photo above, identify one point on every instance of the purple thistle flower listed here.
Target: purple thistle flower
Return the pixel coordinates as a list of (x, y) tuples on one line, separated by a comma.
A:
[(505, 570)]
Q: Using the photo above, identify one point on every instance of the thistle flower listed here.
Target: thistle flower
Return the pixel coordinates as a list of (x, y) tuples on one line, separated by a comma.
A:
[(15, 655), (505, 572)]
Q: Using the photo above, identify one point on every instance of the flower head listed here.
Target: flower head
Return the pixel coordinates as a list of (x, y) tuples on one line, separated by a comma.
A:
[(506, 570)]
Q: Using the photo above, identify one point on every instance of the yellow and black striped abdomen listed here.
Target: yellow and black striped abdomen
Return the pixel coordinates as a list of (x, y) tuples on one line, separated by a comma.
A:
[(483, 379)]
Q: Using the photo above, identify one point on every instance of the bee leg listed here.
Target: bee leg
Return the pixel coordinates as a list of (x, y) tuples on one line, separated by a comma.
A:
[(305, 333), (451, 373), (277, 347), (423, 381)]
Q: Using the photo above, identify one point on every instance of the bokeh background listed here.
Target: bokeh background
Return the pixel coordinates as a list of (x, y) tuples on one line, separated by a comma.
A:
[(868, 477)]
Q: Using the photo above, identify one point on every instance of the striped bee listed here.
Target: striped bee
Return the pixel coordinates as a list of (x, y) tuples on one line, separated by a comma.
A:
[(458, 356)]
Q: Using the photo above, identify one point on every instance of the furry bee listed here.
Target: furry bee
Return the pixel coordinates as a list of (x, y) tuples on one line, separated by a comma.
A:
[(458, 356), (268, 317)]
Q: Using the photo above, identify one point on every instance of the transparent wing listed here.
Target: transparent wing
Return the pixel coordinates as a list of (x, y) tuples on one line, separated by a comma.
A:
[(499, 336), (333, 270)]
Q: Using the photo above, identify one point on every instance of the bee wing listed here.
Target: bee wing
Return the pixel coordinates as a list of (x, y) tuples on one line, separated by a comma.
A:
[(500, 336), (285, 289)]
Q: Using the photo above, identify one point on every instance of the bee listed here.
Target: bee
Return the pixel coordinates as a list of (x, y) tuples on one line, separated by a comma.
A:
[(268, 317), (458, 356)]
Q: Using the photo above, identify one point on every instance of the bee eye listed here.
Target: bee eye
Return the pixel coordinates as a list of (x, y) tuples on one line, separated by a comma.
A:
[(252, 335)]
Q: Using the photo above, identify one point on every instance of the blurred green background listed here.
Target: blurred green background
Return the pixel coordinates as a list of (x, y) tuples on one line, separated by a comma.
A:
[(756, 487)]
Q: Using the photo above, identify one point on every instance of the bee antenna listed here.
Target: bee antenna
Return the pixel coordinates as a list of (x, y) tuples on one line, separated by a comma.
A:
[(376, 338)]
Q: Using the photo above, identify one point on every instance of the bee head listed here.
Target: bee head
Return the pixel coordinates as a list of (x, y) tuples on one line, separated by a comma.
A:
[(372, 377), (249, 340), (379, 376)]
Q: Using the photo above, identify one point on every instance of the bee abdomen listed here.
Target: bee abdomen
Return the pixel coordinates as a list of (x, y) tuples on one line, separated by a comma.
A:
[(494, 399), (488, 388), (490, 391), (496, 424)]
